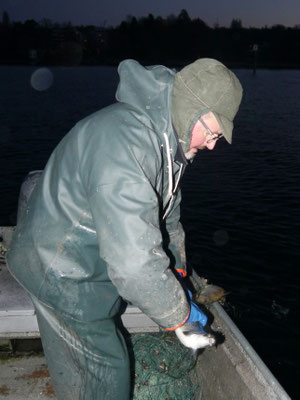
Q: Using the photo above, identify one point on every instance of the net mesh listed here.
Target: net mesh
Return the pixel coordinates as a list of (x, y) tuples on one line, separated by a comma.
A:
[(163, 369)]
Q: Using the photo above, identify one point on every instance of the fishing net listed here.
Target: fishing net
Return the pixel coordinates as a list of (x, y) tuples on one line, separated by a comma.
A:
[(163, 369)]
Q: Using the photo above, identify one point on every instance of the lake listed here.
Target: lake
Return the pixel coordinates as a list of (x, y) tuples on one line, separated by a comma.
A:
[(241, 203)]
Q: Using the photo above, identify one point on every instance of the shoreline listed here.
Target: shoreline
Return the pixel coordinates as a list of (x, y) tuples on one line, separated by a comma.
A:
[(175, 64)]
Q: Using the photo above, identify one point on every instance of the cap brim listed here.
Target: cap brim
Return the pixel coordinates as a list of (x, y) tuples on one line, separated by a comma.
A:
[(226, 127)]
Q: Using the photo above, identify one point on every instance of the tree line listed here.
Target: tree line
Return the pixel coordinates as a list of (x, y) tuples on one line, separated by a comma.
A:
[(174, 40)]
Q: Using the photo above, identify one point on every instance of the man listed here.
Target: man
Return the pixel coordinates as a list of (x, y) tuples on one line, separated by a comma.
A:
[(103, 221)]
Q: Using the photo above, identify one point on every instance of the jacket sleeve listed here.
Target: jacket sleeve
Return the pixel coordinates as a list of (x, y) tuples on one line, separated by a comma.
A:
[(176, 235), (126, 216)]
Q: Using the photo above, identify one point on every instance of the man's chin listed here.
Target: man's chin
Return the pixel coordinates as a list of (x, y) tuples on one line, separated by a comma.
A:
[(189, 155)]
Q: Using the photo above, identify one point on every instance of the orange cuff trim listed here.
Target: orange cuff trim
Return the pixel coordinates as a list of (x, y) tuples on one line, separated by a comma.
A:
[(182, 271), (178, 326)]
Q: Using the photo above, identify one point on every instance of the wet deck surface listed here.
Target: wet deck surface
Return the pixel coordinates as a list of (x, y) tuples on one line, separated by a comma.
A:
[(25, 378)]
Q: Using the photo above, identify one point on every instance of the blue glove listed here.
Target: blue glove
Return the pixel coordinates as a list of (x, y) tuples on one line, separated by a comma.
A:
[(197, 315)]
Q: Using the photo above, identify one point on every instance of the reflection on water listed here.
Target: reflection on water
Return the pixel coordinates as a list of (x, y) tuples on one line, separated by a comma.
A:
[(240, 205)]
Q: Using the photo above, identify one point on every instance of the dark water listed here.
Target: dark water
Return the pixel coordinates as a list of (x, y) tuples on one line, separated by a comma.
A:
[(241, 203)]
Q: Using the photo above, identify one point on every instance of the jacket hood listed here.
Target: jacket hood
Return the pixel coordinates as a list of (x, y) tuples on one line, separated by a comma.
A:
[(203, 86), (147, 89)]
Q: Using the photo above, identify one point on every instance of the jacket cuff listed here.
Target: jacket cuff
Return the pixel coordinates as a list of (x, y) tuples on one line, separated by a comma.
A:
[(182, 271), (178, 326)]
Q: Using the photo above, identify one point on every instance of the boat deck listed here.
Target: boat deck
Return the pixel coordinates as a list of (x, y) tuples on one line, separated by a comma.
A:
[(25, 378)]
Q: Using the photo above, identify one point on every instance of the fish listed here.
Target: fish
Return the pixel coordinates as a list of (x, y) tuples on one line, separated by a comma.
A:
[(209, 294), (193, 336)]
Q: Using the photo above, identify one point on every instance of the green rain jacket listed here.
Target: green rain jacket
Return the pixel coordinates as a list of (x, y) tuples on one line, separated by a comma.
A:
[(94, 229)]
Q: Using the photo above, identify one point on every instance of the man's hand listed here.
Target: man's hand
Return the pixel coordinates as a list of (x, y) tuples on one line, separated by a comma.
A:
[(196, 314), (192, 334)]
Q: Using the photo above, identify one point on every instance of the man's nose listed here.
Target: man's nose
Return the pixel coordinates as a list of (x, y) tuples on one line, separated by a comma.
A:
[(210, 144)]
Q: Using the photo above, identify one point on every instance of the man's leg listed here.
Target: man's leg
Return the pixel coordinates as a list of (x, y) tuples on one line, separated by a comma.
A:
[(86, 360)]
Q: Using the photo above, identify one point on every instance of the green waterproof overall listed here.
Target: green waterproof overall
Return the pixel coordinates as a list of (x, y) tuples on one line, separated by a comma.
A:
[(101, 224)]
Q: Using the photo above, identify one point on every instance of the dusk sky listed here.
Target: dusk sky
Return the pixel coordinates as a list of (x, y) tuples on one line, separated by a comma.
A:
[(256, 13)]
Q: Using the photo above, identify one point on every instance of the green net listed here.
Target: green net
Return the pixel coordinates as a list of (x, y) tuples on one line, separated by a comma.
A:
[(163, 369)]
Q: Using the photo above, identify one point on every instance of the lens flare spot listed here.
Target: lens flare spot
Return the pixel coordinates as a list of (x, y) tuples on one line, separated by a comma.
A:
[(41, 79)]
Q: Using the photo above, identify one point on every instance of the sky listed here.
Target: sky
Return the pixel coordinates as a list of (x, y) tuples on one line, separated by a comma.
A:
[(255, 13)]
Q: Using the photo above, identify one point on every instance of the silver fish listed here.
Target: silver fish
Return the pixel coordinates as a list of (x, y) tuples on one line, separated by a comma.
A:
[(193, 336)]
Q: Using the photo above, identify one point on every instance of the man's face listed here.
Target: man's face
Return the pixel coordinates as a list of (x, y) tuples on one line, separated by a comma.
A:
[(200, 137)]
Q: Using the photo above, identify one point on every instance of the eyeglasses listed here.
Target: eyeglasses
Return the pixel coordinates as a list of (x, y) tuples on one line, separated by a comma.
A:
[(214, 136)]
